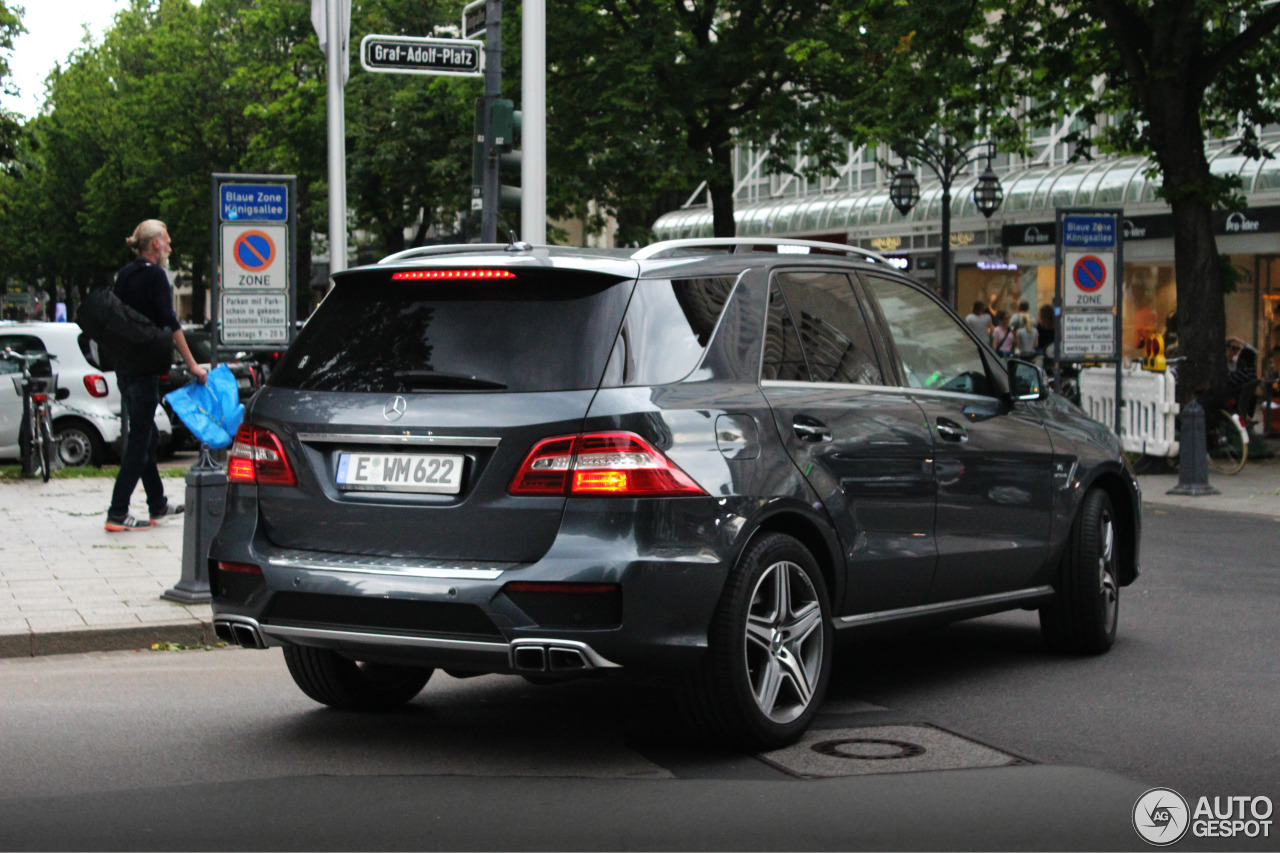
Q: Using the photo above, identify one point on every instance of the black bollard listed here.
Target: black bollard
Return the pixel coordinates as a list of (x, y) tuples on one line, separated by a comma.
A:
[(206, 500), (1193, 457)]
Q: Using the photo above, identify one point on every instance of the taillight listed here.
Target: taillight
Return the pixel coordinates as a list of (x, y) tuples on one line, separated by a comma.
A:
[(603, 464), (96, 385), (39, 398), (258, 457)]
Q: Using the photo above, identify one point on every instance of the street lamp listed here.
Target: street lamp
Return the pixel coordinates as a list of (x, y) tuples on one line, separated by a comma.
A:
[(945, 161)]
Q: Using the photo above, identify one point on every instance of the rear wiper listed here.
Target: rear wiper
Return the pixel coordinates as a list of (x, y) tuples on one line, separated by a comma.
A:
[(431, 379)]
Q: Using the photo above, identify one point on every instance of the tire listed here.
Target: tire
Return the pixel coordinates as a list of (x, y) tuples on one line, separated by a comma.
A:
[(78, 444), (1082, 617), (48, 449), (1228, 447), (333, 680), (767, 665)]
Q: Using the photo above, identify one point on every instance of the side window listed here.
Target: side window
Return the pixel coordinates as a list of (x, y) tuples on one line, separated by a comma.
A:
[(25, 345), (666, 330), (933, 350), (783, 358), (833, 330)]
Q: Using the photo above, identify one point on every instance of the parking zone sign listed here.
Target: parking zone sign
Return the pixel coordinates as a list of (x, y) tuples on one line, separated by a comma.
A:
[(1090, 280), (254, 257)]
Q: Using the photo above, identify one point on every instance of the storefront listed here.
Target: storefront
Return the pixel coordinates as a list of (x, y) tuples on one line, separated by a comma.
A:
[(1010, 257)]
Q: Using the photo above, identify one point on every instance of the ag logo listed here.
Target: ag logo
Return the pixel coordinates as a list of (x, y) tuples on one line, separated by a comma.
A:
[(1161, 816)]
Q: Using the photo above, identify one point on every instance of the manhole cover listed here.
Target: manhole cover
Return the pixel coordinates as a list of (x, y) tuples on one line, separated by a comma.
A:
[(883, 749)]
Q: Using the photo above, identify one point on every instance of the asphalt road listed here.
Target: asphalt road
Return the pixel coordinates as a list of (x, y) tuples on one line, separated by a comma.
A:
[(219, 750)]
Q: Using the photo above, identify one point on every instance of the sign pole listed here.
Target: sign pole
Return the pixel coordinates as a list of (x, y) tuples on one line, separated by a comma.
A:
[(492, 91), (533, 162), (337, 143)]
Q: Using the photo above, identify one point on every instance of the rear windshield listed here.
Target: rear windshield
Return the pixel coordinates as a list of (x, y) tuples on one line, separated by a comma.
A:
[(546, 330)]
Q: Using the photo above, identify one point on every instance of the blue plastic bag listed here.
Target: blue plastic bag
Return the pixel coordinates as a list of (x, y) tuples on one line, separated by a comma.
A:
[(212, 411)]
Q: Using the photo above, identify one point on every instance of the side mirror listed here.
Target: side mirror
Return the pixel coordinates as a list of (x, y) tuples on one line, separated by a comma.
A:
[(1027, 382), (62, 393)]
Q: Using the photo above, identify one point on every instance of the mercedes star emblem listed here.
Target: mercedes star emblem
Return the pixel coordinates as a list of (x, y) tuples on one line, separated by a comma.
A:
[(395, 408)]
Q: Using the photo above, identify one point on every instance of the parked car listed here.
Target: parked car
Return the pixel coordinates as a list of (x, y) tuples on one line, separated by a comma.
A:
[(705, 460), (248, 378), (86, 409)]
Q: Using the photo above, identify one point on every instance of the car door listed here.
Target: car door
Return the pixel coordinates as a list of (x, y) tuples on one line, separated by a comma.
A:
[(863, 446), (992, 458)]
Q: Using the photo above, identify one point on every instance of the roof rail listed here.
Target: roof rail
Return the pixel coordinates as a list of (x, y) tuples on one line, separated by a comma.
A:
[(446, 249), (667, 248)]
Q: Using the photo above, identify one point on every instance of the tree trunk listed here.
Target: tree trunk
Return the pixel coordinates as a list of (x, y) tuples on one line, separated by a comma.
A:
[(721, 186)]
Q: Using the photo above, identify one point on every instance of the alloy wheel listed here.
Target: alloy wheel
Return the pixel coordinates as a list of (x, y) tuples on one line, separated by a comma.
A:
[(784, 642)]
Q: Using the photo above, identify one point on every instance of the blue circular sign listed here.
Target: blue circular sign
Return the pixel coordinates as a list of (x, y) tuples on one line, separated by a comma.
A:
[(1089, 273)]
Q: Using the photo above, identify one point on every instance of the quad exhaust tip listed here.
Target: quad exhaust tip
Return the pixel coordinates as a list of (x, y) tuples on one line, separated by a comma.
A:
[(542, 656), (243, 634)]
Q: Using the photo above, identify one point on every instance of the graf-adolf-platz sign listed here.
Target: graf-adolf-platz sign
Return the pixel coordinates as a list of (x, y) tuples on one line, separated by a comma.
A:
[(256, 286)]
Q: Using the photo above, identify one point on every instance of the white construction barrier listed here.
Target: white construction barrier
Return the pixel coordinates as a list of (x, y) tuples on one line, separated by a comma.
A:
[(1150, 405)]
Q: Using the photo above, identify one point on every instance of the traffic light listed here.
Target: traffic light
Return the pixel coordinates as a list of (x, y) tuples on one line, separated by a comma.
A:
[(507, 122), (1154, 359)]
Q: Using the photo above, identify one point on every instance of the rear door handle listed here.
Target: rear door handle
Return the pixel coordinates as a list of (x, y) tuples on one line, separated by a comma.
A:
[(810, 430), (952, 431)]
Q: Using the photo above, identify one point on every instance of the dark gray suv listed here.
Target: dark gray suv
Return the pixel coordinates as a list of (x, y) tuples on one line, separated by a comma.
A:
[(705, 460)]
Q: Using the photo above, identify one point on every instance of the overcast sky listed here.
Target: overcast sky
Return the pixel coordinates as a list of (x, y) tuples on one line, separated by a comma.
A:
[(54, 29)]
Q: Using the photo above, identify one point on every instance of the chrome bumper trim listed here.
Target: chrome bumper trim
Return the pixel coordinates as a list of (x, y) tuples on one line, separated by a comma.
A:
[(388, 566), (398, 438), (999, 598), (289, 632)]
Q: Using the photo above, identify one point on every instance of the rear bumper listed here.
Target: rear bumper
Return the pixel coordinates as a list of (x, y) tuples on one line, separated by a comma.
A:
[(456, 615)]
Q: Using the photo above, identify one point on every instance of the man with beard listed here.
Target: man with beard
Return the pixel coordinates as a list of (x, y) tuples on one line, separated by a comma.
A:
[(144, 286)]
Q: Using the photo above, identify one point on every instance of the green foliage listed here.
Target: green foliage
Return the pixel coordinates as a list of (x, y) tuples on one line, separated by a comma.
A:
[(648, 98), (134, 127)]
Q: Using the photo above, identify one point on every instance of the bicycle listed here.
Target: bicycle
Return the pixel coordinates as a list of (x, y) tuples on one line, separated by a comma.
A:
[(1226, 437), (38, 449)]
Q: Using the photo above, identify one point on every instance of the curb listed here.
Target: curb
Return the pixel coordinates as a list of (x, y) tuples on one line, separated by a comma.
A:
[(33, 644)]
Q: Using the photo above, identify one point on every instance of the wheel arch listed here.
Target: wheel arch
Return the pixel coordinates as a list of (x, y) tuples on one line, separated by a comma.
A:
[(810, 533), (1124, 502)]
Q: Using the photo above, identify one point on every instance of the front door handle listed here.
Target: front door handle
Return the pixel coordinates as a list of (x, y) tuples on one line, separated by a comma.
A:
[(810, 430), (952, 431)]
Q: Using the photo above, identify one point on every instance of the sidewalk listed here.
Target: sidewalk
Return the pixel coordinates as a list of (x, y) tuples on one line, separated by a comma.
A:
[(66, 585)]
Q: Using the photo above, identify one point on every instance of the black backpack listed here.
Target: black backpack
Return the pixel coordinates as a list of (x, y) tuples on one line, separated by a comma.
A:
[(125, 337)]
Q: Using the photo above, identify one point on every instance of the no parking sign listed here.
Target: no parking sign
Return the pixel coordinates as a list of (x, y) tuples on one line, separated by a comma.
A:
[(254, 286), (1090, 280)]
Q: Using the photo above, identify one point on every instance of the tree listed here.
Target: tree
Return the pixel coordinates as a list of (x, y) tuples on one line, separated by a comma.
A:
[(10, 28), (1171, 74), (650, 97)]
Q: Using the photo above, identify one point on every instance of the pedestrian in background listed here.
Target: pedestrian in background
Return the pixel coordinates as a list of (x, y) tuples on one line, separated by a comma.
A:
[(1045, 332), (144, 286), (980, 321), (1026, 339), (1002, 337)]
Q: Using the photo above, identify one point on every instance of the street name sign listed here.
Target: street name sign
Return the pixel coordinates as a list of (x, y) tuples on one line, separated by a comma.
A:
[(414, 55), (474, 22)]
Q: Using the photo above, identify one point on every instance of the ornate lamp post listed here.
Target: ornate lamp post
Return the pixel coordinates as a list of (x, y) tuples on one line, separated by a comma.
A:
[(945, 160)]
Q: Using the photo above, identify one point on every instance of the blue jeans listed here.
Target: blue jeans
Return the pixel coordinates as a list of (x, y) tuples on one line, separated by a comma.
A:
[(140, 394)]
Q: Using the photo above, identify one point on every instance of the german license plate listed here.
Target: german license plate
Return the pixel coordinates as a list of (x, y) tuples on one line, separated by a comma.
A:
[(400, 472)]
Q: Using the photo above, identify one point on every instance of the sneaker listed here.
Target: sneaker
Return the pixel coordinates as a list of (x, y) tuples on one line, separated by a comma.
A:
[(167, 510), (128, 523)]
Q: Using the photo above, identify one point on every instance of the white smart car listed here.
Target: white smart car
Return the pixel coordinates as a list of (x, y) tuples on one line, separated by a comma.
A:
[(86, 411)]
